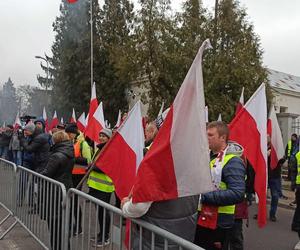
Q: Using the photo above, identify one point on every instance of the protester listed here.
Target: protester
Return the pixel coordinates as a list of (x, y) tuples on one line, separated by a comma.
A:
[(216, 217), (15, 147), (58, 167), (178, 216), (82, 152), (4, 142), (36, 142), (101, 187), (40, 123), (291, 150)]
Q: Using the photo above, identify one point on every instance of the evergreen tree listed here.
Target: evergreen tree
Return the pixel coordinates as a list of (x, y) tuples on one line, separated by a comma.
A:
[(9, 102), (116, 21), (234, 62)]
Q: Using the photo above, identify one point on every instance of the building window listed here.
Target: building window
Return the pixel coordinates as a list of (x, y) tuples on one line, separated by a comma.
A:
[(283, 109)]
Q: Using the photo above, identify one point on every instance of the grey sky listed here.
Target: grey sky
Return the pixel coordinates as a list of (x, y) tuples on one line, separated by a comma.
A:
[(26, 31)]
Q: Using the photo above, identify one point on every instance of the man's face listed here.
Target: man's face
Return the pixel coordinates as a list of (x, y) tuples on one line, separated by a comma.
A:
[(215, 141), (294, 138), (39, 125), (150, 132), (27, 133), (72, 136)]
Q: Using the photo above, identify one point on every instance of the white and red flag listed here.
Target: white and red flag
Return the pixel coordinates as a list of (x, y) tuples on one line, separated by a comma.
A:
[(161, 109), (249, 128), (220, 117), (81, 122), (73, 117), (240, 104), (46, 120), (72, 1), (206, 114), (93, 104), (95, 124), (61, 120), (124, 152), (17, 122), (54, 121), (273, 130), (177, 163)]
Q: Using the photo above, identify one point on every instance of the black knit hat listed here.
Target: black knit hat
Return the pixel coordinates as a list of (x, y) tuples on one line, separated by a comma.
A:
[(71, 128)]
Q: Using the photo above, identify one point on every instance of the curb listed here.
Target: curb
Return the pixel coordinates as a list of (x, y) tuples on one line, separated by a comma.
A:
[(283, 205)]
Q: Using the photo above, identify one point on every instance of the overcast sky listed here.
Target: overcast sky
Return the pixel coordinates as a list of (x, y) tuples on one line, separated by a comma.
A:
[(26, 31)]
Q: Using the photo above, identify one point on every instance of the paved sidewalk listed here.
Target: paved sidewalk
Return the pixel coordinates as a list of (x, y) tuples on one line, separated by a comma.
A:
[(18, 238)]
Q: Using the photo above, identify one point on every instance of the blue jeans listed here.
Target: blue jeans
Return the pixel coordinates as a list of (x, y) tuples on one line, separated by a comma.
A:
[(17, 157), (275, 188), (4, 153)]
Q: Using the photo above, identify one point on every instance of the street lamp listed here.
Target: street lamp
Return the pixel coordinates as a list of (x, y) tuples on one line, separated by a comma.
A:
[(47, 80)]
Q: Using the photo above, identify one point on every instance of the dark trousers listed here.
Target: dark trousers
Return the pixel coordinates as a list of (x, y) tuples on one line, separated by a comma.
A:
[(275, 188), (76, 178), (106, 198), (235, 236), (207, 238), (296, 218)]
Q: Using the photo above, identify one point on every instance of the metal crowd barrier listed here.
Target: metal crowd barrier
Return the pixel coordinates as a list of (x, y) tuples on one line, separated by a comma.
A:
[(7, 191), (94, 230)]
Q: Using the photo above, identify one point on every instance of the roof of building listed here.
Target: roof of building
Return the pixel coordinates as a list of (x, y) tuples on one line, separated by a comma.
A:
[(284, 81)]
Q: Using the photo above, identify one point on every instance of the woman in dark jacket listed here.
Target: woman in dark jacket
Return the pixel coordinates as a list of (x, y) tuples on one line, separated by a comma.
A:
[(59, 167)]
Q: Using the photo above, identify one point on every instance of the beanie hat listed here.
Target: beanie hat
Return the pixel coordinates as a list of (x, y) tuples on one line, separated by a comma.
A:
[(41, 120), (71, 128), (107, 132), (30, 127)]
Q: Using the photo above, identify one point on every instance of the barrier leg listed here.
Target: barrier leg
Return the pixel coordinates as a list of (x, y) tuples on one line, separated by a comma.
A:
[(8, 230), (6, 217)]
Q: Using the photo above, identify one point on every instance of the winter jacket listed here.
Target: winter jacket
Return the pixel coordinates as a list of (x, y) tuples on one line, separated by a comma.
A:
[(233, 174), (178, 216), (60, 163), (15, 142), (39, 146), (5, 138)]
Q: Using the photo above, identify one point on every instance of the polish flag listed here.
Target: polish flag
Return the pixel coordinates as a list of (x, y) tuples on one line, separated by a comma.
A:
[(123, 154), (249, 128), (119, 119), (54, 121), (220, 117), (46, 120), (81, 122), (240, 103), (73, 118), (72, 1), (95, 124), (17, 122), (277, 148), (61, 120), (93, 104), (177, 163)]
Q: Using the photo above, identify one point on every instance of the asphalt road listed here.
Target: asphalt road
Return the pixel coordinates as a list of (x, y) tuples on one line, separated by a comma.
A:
[(274, 236)]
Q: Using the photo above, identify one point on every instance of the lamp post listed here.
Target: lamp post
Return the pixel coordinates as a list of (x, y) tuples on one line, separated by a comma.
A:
[(47, 79)]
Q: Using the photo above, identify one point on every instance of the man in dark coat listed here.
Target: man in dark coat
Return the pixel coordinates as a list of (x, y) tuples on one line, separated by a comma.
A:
[(37, 144)]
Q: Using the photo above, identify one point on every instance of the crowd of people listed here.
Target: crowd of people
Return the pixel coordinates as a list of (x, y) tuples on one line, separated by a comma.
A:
[(216, 222)]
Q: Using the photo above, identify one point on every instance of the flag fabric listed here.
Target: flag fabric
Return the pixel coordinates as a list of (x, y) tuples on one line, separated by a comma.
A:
[(249, 128), (54, 121), (177, 163), (95, 124), (72, 1), (122, 155), (240, 103), (161, 109), (277, 148), (46, 120), (93, 104), (73, 118), (81, 122), (119, 119), (61, 120), (220, 117), (17, 122)]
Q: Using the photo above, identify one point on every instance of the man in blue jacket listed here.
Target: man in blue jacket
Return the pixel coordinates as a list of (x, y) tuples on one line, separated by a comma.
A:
[(228, 175)]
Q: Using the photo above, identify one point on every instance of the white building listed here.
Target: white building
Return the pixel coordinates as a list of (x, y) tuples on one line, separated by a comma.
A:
[(286, 91)]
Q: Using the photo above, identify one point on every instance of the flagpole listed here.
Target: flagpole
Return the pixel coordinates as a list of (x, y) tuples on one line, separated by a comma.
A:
[(92, 51)]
